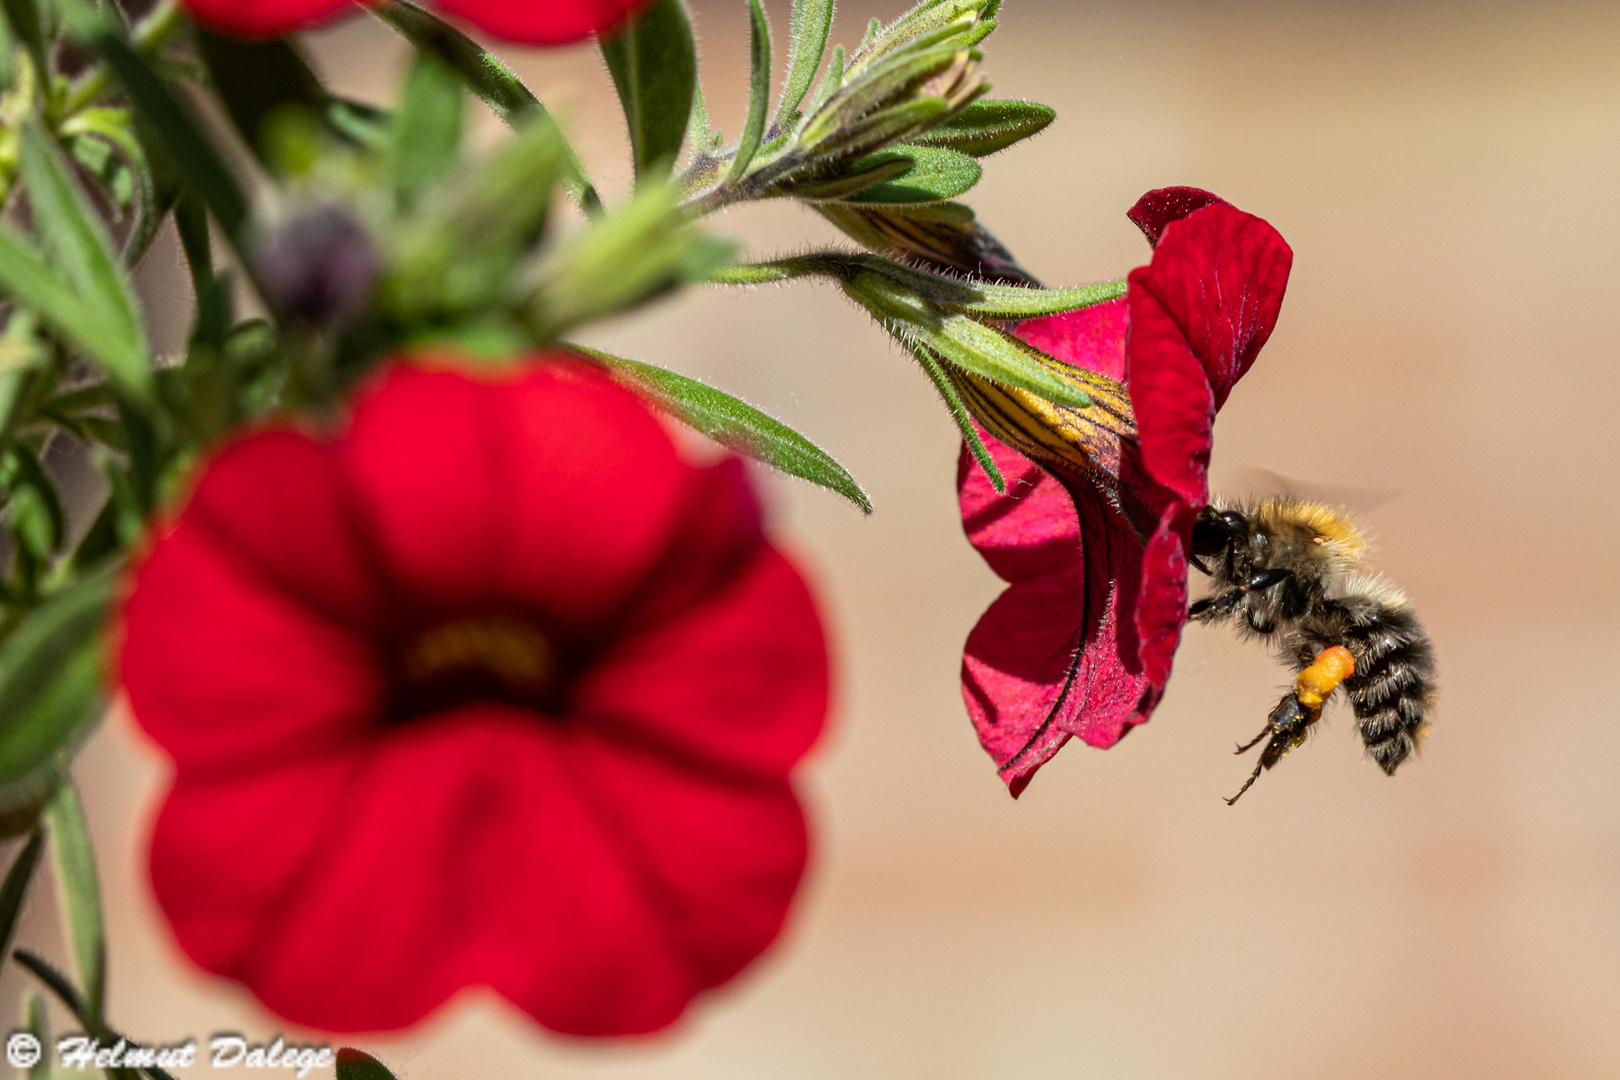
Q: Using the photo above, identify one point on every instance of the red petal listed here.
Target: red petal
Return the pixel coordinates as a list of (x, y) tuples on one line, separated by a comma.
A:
[(229, 855), (1161, 603), (1158, 208), (246, 497), (739, 683), (1089, 337), (723, 858), (551, 22), (265, 18), (1051, 658), (227, 672), (490, 848), (1199, 314), (554, 488)]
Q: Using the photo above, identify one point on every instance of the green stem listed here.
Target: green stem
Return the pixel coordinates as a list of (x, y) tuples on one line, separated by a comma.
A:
[(150, 34)]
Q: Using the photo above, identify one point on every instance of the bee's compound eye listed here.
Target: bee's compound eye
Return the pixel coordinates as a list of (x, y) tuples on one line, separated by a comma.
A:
[(1235, 523), (1210, 534)]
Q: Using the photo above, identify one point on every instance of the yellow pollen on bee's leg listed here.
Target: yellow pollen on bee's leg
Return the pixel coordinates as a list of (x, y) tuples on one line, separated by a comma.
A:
[(1330, 668)]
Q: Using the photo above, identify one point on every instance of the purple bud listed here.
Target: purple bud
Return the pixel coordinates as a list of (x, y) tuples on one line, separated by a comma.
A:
[(318, 267)]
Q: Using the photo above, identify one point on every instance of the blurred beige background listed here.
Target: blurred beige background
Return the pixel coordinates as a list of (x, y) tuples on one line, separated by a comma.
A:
[(1449, 176)]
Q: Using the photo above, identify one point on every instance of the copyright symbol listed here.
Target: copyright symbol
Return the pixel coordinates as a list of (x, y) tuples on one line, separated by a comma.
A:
[(22, 1050)]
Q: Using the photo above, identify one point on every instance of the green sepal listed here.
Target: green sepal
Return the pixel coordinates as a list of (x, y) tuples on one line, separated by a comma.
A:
[(861, 174), (355, 1064), (732, 423), (256, 80), (974, 346), (427, 128), (987, 126), (622, 260), (80, 891), (812, 21), (935, 176), (653, 60), (960, 415), (759, 90)]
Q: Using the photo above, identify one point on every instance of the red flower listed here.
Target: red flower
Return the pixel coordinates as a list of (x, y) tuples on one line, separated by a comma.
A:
[(490, 689), (1095, 547), (535, 22)]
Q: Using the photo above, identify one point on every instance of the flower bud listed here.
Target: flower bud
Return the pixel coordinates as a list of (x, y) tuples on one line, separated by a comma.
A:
[(318, 267)]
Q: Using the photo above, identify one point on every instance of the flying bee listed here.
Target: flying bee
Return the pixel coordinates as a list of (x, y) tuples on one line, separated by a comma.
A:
[(1290, 572)]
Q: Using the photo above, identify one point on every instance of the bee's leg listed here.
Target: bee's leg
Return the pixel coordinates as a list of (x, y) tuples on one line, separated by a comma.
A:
[(1254, 742), (1287, 726), (1215, 607), (1247, 784)]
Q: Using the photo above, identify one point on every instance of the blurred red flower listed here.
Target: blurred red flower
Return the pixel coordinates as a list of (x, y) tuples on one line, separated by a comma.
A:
[(1081, 642), (535, 22), (490, 689)]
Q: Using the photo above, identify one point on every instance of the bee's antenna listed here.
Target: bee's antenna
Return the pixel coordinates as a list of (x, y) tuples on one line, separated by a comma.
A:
[(1247, 784), (1252, 743)]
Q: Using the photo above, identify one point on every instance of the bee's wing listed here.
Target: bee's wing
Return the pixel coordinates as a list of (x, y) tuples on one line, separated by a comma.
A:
[(1251, 481)]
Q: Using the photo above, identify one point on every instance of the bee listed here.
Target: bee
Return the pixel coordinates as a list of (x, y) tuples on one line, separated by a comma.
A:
[(1291, 573)]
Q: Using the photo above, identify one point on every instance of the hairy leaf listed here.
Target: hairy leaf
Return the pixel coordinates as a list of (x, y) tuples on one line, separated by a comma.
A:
[(653, 60), (812, 21), (759, 89), (732, 423), (987, 126), (935, 176)]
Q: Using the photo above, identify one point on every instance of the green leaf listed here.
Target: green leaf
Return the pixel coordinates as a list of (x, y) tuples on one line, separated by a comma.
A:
[(759, 90), (428, 128), (355, 1064), (50, 683), (256, 80), (204, 170), (81, 892), (77, 243), (959, 413), (15, 889), (935, 176), (27, 279), (654, 64), (486, 76), (733, 424), (812, 21), (987, 126)]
